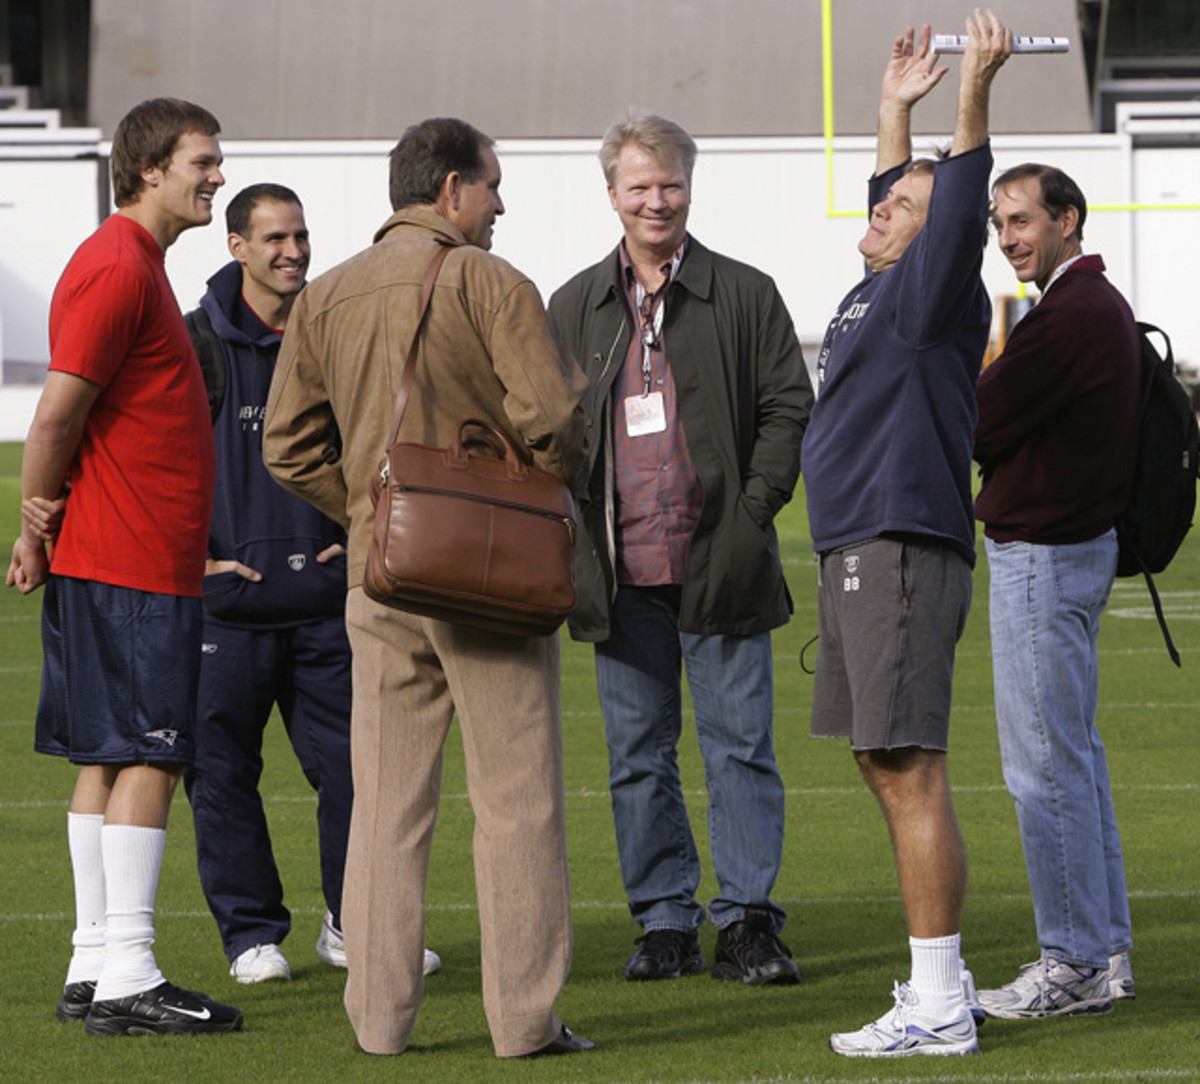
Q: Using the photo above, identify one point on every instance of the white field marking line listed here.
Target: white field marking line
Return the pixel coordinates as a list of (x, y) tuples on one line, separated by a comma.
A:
[(789, 658), (1137, 587), (803, 706), (792, 902), (787, 710), (1106, 708), (1146, 613), (982, 1078), (588, 793)]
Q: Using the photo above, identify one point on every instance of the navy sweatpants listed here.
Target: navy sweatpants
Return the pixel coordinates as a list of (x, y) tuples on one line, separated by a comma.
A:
[(243, 674)]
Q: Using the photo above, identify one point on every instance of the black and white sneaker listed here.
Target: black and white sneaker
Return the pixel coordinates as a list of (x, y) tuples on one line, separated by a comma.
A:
[(164, 1010), (76, 1000)]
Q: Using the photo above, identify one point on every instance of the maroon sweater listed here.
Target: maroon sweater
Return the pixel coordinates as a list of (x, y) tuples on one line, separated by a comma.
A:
[(1058, 414)]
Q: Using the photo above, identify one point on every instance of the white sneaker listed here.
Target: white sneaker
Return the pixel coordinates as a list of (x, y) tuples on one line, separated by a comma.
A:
[(971, 999), (1050, 987), (1120, 976), (905, 1032), (262, 963), (331, 947)]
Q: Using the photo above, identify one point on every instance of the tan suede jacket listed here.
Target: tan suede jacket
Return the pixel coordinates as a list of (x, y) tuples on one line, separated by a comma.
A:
[(486, 352)]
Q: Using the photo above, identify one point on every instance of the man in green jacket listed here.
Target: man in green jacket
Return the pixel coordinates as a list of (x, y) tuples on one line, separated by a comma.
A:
[(696, 409)]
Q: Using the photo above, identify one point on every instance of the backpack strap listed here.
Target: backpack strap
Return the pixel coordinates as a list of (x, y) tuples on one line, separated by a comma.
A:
[(1166, 361), (1172, 650), (212, 357)]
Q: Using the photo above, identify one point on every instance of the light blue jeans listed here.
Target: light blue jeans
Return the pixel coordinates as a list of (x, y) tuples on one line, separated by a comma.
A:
[(1046, 603), (638, 673)]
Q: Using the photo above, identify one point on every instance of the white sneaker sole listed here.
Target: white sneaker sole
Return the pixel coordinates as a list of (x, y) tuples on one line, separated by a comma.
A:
[(917, 1049)]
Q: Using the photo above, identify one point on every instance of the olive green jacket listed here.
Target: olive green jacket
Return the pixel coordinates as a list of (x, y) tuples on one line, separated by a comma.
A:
[(744, 400)]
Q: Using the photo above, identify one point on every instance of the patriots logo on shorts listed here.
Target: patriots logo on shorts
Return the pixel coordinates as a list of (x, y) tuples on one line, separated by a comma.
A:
[(296, 562), (167, 736)]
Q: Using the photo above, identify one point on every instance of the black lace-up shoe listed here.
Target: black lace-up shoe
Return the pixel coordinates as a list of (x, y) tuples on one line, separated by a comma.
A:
[(75, 1001), (566, 1043), (750, 952), (665, 954), (165, 1010)]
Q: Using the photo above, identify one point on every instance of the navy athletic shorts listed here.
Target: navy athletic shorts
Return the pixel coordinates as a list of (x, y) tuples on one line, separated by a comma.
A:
[(119, 674)]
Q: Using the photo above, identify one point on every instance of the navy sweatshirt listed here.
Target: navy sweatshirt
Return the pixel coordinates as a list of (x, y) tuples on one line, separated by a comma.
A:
[(888, 447), (254, 520)]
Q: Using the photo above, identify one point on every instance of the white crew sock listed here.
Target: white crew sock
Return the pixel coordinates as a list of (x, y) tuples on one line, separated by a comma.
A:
[(87, 870), (937, 974), (132, 862)]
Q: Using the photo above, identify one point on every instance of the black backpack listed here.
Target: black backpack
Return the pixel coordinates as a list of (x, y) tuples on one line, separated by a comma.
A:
[(212, 357), (1163, 498)]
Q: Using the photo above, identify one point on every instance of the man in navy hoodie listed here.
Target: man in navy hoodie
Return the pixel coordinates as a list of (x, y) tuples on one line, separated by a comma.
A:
[(887, 465), (274, 599)]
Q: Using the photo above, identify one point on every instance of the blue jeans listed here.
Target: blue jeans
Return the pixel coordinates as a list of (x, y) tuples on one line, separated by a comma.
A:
[(638, 671), (1046, 603)]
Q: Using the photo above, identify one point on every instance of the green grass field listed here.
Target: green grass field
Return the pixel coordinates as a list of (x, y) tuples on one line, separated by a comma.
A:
[(846, 926)]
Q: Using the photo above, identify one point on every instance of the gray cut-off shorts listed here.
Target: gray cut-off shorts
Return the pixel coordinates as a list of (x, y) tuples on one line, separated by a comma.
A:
[(891, 612)]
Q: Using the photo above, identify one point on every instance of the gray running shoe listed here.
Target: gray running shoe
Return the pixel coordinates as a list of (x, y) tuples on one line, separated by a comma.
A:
[(1120, 976), (1050, 987)]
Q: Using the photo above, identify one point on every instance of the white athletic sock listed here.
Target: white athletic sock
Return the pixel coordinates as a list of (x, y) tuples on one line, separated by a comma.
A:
[(132, 862), (937, 974), (87, 870)]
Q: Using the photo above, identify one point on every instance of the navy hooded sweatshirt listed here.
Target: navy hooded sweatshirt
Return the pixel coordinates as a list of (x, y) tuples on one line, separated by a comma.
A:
[(254, 520)]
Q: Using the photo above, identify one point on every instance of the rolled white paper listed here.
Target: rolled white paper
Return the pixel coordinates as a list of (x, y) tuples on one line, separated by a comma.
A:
[(957, 43)]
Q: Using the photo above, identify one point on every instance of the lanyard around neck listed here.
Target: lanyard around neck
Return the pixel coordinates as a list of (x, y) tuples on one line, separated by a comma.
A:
[(651, 324)]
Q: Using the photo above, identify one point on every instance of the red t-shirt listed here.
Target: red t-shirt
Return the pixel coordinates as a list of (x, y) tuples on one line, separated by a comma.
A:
[(142, 480)]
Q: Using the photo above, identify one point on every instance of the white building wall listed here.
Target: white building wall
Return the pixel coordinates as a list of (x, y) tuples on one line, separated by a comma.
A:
[(763, 201)]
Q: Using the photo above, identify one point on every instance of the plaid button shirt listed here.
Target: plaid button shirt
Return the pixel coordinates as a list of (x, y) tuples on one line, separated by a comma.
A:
[(658, 496)]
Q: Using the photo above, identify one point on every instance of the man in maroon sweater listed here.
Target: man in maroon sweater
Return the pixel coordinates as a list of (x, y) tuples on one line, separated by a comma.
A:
[(1058, 418)]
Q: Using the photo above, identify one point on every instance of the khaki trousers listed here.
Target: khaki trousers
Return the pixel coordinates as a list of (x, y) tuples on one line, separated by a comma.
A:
[(411, 674)]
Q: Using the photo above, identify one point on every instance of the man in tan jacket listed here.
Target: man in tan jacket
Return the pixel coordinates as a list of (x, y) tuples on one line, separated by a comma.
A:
[(485, 352)]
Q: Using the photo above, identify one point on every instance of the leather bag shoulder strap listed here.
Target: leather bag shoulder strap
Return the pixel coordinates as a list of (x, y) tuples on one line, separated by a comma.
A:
[(410, 363)]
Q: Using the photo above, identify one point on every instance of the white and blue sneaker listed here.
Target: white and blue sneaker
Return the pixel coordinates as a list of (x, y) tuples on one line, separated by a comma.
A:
[(1050, 987), (331, 947), (906, 1031), (261, 963), (972, 999)]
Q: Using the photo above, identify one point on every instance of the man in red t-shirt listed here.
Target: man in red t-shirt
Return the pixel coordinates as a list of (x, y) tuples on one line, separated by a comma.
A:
[(123, 426)]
